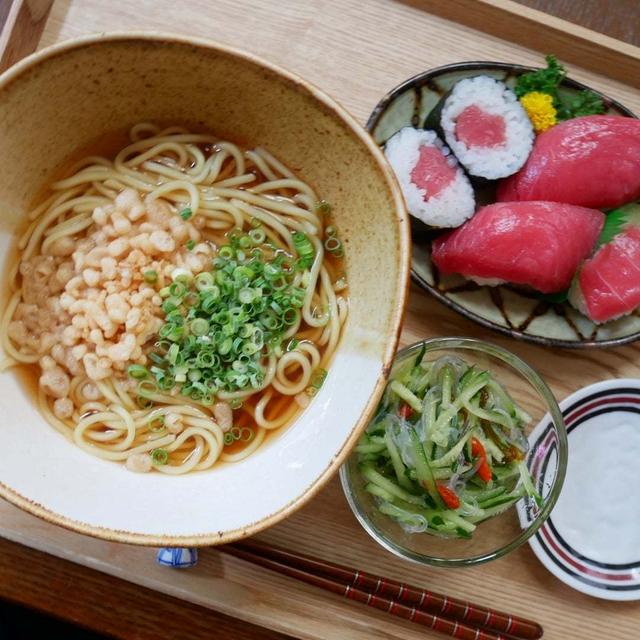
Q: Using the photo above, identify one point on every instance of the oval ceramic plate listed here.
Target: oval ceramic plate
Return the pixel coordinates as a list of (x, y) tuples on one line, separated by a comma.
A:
[(506, 309), (591, 541)]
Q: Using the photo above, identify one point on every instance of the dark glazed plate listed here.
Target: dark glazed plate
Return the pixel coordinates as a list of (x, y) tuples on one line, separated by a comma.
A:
[(517, 313)]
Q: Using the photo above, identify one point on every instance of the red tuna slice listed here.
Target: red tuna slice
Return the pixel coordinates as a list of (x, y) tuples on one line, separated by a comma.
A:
[(477, 128), (432, 172), (610, 281), (539, 244), (592, 161)]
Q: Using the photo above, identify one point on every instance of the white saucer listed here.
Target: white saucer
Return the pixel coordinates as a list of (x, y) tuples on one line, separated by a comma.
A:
[(591, 541)]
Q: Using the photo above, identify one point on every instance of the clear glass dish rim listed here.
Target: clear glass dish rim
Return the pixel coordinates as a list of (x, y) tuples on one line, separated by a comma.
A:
[(554, 413)]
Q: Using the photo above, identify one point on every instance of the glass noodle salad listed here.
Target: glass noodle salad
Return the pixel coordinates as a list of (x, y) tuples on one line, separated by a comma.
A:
[(446, 449)]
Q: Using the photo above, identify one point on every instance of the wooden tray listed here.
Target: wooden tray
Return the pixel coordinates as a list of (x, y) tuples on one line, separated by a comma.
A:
[(357, 51)]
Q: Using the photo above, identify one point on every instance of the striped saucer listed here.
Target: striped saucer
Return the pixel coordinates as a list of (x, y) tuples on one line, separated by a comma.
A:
[(591, 541)]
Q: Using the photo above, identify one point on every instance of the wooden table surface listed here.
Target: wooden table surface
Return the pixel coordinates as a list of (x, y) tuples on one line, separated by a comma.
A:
[(124, 610), (617, 18)]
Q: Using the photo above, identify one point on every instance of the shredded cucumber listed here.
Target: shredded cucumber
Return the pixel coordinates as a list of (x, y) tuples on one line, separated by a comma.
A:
[(446, 450), (413, 401)]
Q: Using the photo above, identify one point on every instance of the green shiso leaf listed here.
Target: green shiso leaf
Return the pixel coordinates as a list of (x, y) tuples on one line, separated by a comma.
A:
[(556, 298), (618, 220)]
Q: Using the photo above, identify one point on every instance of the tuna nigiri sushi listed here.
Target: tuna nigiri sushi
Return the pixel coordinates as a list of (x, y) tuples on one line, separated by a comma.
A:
[(593, 161), (536, 244), (608, 285)]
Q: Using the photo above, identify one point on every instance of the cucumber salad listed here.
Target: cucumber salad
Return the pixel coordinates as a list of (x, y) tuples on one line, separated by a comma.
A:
[(446, 449)]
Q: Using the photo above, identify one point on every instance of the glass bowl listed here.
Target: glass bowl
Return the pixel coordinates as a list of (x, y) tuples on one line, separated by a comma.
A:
[(503, 533)]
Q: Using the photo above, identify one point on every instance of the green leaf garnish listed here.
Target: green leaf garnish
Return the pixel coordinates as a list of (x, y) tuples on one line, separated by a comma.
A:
[(617, 220), (548, 80)]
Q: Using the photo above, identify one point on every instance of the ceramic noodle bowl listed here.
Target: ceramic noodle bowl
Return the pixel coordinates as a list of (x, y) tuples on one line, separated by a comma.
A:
[(53, 107)]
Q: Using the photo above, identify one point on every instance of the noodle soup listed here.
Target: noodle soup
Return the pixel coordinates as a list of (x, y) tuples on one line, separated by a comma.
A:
[(177, 302)]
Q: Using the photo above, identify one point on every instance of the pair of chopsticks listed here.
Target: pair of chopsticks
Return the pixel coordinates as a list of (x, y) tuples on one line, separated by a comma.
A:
[(450, 616)]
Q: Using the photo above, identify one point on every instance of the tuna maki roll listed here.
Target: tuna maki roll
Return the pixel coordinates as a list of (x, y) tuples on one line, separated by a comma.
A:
[(486, 127), (435, 188)]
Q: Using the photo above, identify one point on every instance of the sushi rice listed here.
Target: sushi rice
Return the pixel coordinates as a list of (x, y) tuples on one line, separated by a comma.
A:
[(453, 204), (494, 98)]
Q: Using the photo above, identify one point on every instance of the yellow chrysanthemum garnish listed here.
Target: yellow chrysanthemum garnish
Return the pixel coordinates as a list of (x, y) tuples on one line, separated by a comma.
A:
[(540, 109)]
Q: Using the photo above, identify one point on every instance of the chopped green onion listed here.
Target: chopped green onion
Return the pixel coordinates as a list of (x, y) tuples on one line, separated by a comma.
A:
[(332, 244), (323, 207), (156, 425), (258, 236), (144, 403), (304, 248), (137, 371), (293, 344), (159, 457), (190, 244), (331, 230), (228, 438), (204, 281), (177, 289), (290, 316), (181, 275), (199, 327), (245, 242), (246, 434), (147, 388), (219, 325), (186, 213), (316, 382), (150, 276)]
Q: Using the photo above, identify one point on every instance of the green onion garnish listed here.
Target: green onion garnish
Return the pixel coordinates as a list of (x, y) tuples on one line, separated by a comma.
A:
[(228, 438), (332, 244), (258, 236), (204, 281), (177, 289), (159, 457), (150, 276), (219, 325), (186, 213), (156, 425), (137, 371), (323, 207), (304, 248), (199, 327), (143, 403), (190, 244), (317, 380)]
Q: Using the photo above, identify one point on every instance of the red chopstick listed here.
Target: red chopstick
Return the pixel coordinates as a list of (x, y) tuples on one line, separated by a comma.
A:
[(448, 615), (444, 625)]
